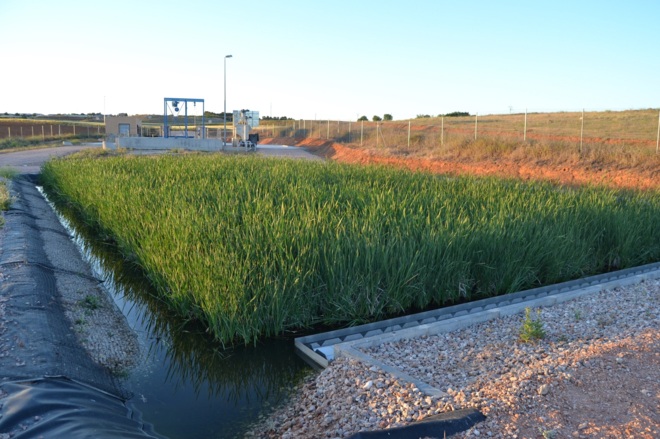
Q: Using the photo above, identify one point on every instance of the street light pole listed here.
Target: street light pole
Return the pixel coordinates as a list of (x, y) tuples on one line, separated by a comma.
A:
[(224, 114)]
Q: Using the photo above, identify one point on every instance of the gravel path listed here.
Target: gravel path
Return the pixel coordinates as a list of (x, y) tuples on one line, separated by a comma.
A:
[(596, 373)]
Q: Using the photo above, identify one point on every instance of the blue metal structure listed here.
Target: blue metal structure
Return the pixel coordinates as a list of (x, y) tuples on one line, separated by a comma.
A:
[(176, 102)]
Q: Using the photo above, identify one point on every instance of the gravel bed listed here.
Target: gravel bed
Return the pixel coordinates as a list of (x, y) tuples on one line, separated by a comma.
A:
[(533, 389)]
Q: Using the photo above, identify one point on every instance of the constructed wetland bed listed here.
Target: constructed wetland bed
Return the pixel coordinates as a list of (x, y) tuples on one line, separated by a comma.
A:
[(205, 252)]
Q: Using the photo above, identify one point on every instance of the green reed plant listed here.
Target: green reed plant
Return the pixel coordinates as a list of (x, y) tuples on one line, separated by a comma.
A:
[(254, 246)]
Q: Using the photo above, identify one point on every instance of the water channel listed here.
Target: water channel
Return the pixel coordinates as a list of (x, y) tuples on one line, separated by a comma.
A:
[(186, 385)]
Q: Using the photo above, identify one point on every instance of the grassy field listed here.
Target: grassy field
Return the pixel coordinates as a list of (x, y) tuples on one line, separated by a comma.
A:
[(622, 138), (630, 125), (252, 246)]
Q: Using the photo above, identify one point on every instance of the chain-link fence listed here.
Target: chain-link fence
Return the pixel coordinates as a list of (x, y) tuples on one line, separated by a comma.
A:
[(639, 128), (34, 129)]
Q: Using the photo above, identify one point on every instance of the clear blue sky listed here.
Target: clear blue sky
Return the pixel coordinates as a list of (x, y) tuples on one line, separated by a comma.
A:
[(330, 60)]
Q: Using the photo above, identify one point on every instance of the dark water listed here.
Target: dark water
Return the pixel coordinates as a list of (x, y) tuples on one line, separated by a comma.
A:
[(188, 386)]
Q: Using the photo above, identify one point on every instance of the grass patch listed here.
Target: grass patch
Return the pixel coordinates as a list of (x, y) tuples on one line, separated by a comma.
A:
[(6, 173), (15, 143), (252, 246), (90, 302)]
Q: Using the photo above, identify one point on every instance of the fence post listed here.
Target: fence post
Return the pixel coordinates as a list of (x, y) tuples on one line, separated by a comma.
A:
[(525, 129), (59, 131), (349, 131), (9, 128), (657, 141), (361, 132), (581, 129), (74, 129), (43, 135), (327, 134), (32, 130), (51, 130), (442, 131), (408, 134), (21, 131), (476, 116)]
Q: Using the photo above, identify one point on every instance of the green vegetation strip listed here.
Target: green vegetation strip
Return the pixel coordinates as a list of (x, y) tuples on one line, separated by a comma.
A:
[(253, 246), (5, 198)]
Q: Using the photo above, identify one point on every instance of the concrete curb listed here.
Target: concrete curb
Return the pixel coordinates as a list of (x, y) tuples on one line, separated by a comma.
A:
[(348, 342), (351, 349)]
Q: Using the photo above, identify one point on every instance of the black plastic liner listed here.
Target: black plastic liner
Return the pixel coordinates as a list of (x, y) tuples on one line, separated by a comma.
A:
[(439, 426), (38, 346), (58, 407), (37, 340)]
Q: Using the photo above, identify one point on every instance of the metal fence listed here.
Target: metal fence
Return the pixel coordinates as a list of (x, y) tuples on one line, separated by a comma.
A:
[(50, 131), (636, 128)]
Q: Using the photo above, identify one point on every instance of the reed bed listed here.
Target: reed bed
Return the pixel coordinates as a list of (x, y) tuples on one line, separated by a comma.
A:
[(253, 247)]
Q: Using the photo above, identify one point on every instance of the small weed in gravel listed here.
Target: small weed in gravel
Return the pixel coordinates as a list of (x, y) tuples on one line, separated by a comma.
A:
[(90, 302), (532, 329)]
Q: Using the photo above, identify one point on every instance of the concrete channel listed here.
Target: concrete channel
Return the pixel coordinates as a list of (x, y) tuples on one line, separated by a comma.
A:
[(321, 349)]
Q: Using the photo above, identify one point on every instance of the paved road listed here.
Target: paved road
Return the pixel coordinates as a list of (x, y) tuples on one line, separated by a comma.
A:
[(30, 161), (286, 151)]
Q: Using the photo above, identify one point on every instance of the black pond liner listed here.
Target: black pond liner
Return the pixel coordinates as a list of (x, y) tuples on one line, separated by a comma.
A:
[(38, 347), (439, 426), (185, 386), (63, 408)]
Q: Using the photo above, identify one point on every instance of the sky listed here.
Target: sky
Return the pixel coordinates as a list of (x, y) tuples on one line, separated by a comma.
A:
[(329, 60)]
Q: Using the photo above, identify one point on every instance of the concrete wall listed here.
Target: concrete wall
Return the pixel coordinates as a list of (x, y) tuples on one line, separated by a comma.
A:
[(169, 143)]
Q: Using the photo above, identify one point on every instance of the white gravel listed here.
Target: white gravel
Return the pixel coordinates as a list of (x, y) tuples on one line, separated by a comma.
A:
[(484, 366)]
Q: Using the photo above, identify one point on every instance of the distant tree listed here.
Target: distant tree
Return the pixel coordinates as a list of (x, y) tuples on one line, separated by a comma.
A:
[(387, 117), (275, 118), (363, 118), (422, 116), (457, 114), (376, 118)]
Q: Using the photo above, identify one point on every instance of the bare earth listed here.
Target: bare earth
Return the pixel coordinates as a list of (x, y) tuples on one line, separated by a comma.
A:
[(526, 169)]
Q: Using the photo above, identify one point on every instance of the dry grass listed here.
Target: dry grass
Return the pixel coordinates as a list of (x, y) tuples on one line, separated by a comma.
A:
[(615, 139)]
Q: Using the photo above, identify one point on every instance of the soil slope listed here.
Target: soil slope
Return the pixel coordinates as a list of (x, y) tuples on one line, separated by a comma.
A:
[(526, 169)]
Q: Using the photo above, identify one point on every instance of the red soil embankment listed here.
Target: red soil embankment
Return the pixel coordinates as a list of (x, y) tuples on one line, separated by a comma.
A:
[(565, 173)]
